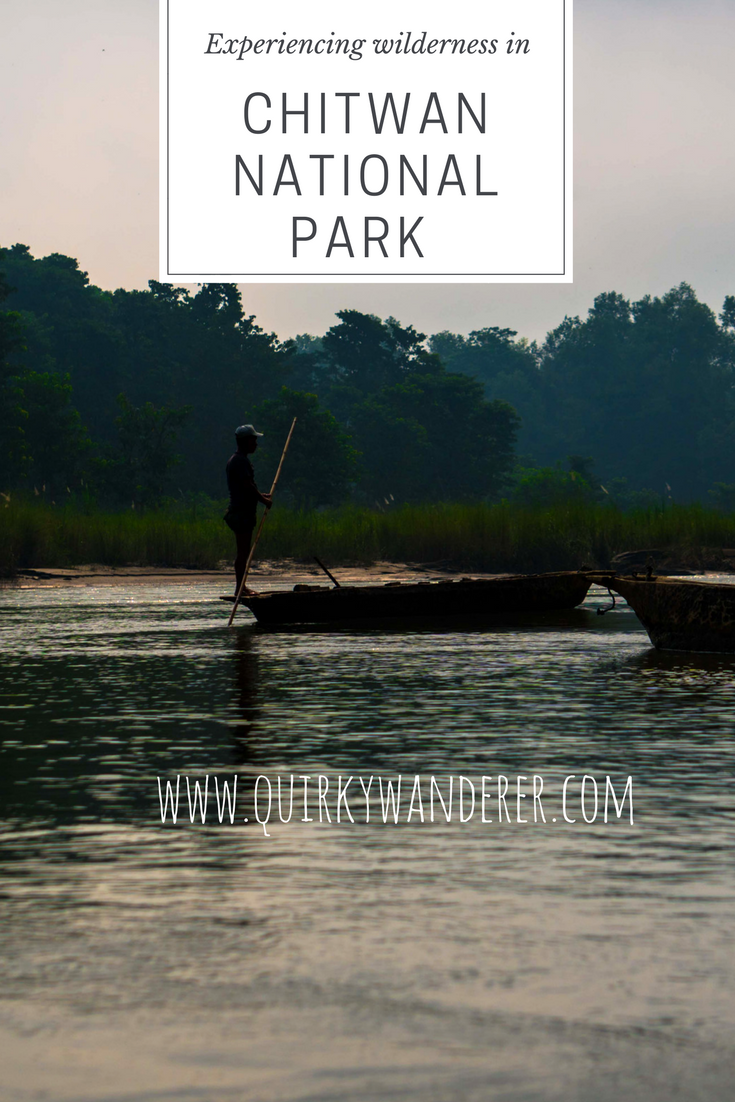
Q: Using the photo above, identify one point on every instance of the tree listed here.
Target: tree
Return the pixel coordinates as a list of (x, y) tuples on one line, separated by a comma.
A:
[(321, 466), (544, 487), (435, 438), (70, 329), (202, 351), (164, 346), (138, 470), (57, 445), (369, 354), (423, 433), (487, 354), (506, 367), (727, 317), (647, 388), (44, 442), (394, 451), (12, 416)]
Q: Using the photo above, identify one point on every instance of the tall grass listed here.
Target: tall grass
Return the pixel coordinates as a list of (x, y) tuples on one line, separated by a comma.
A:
[(469, 537)]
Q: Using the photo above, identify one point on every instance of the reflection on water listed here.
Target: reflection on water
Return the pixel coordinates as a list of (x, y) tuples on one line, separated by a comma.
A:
[(246, 679), (365, 961)]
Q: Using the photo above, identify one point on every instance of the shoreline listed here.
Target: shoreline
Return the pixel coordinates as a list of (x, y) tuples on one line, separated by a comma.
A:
[(296, 571), (95, 574)]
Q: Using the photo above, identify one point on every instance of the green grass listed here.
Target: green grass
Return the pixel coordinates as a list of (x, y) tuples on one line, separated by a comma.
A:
[(469, 537)]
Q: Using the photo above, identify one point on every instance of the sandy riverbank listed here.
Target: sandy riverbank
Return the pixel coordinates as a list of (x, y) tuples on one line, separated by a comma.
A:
[(261, 574), (271, 571)]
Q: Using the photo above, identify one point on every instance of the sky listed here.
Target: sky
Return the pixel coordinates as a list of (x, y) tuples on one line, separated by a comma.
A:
[(654, 174)]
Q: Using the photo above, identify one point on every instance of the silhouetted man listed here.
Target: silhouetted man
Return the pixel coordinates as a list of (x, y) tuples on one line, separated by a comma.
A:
[(244, 497)]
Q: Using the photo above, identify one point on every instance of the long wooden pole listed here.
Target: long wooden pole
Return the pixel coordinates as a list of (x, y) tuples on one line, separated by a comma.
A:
[(260, 528)]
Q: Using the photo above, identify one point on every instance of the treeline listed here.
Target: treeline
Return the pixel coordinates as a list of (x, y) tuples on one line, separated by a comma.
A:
[(131, 397)]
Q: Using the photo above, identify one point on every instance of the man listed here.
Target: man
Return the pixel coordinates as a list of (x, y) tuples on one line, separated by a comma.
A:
[(244, 497)]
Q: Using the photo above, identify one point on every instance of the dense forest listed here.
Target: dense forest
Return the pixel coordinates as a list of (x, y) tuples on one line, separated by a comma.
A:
[(131, 397)]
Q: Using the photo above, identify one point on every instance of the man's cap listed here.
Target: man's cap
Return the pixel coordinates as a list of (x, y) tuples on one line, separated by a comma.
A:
[(246, 430)]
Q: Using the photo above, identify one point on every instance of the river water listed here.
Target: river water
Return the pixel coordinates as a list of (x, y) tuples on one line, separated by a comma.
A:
[(369, 960)]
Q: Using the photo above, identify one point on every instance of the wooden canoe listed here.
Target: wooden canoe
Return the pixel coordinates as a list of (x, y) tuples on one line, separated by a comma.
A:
[(680, 613), (466, 597)]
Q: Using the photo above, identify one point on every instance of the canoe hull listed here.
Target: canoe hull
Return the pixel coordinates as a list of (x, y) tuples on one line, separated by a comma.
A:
[(681, 614), (492, 597)]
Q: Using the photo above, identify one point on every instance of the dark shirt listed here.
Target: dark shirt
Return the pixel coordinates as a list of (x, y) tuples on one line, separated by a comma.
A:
[(241, 484)]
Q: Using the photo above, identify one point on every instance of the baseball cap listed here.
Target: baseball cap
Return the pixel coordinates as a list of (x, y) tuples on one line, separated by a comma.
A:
[(246, 430)]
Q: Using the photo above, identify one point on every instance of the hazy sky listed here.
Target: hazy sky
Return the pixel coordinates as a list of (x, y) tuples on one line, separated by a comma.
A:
[(654, 189)]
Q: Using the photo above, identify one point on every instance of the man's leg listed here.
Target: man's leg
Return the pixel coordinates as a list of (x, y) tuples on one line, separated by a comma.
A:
[(243, 550)]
